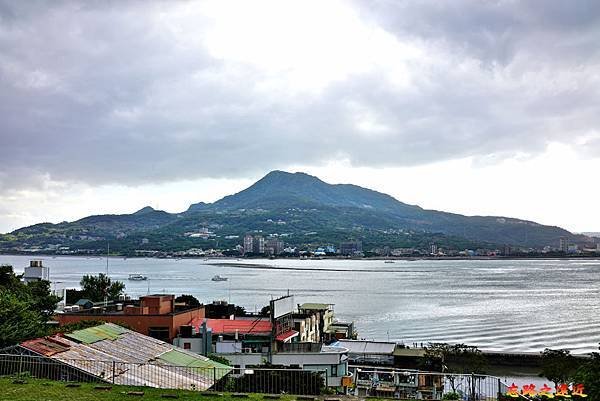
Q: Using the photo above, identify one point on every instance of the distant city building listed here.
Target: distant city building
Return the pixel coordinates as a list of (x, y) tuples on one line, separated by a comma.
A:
[(248, 244), (350, 247), (563, 244), (433, 249), (274, 246), (259, 244)]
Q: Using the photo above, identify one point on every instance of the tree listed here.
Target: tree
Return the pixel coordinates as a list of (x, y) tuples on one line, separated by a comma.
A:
[(42, 300), (95, 288), (457, 358), (558, 365), (18, 321), (434, 358), (588, 374), (189, 300), (466, 359), (24, 308), (8, 279), (239, 311)]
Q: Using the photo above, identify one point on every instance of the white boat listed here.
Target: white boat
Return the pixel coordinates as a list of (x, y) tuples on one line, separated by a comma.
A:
[(137, 277), (219, 278)]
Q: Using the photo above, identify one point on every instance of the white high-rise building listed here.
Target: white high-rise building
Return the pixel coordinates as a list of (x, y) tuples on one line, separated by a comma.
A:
[(248, 244)]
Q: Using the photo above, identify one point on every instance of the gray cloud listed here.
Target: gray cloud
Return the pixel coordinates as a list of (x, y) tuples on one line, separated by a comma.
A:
[(121, 92)]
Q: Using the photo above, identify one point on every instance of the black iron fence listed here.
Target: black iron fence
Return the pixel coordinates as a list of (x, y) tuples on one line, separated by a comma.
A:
[(272, 381)]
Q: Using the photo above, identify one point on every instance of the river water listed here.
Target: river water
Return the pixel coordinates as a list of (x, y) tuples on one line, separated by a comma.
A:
[(498, 305)]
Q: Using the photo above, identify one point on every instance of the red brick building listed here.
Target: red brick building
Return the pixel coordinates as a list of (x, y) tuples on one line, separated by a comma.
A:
[(153, 315)]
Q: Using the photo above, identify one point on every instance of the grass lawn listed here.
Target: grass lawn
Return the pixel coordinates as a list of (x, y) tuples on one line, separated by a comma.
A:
[(45, 390)]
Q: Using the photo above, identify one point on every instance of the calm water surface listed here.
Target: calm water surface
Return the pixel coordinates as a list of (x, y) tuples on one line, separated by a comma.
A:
[(503, 305)]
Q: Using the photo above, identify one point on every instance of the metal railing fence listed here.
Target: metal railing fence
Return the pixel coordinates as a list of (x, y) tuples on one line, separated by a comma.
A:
[(414, 384), (256, 380)]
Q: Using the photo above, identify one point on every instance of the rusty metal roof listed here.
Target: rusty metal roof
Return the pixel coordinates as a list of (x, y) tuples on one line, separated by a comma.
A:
[(46, 346), (123, 356)]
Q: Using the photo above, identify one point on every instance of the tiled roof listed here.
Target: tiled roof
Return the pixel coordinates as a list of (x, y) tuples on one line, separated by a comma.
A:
[(227, 326)]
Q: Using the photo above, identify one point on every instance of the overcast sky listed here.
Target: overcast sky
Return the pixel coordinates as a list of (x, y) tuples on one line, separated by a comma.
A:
[(475, 107)]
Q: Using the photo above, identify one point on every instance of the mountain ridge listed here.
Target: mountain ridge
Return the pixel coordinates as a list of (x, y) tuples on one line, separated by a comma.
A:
[(300, 204)]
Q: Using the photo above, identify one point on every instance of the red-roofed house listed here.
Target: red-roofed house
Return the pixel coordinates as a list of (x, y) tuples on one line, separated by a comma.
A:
[(231, 327)]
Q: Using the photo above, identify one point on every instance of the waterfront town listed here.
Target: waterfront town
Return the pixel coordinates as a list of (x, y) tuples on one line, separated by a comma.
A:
[(169, 341), (299, 200), (275, 245)]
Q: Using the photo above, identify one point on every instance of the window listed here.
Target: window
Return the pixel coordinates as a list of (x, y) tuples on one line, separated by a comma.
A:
[(160, 333), (334, 370), (187, 345)]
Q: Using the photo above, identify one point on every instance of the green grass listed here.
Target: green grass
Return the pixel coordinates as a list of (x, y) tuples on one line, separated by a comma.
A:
[(45, 390)]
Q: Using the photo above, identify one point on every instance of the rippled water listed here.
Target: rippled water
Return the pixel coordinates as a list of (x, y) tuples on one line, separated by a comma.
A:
[(503, 305)]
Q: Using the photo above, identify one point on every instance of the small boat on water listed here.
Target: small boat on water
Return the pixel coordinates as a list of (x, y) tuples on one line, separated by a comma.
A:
[(219, 278), (137, 277)]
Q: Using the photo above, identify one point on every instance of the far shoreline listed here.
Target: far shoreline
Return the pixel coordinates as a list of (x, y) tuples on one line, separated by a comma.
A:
[(312, 258)]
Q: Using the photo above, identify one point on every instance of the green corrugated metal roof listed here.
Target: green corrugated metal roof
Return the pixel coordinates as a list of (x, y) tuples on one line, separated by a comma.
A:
[(98, 333), (205, 366)]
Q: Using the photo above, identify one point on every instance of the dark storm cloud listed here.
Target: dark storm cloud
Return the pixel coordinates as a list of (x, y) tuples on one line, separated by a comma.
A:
[(121, 92)]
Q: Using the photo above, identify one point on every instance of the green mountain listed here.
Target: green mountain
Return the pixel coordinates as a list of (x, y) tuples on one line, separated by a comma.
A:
[(299, 208)]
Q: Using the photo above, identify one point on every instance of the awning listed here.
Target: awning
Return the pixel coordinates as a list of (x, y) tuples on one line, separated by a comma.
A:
[(286, 336)]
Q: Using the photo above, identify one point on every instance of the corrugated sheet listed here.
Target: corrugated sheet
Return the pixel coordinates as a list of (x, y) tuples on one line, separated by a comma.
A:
[(368, 347), (137, 359), (180, 358), (90, 335), (132, 347), (286, 335), (46, 346), (315, 306)]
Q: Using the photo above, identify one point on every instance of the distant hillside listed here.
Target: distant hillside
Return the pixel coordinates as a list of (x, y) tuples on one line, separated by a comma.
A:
[(591, 234), (302, 209)]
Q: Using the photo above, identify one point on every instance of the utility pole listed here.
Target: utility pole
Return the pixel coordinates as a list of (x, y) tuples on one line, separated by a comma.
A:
[(106, 289)]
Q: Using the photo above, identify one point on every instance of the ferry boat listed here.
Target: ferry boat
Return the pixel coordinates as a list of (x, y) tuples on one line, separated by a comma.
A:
[(137, 277), (219, 278)]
